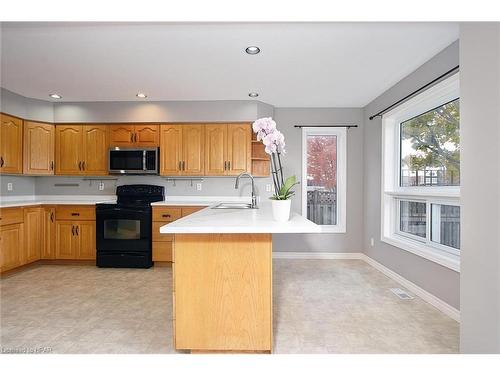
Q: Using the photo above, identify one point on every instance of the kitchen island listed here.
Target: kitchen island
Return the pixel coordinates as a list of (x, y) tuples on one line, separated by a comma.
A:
[(222, 278)]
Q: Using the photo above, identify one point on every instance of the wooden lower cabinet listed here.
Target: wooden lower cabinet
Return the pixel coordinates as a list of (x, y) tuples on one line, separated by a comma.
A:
[(48, 250), (11, 246), (32, 234), (75, 240)]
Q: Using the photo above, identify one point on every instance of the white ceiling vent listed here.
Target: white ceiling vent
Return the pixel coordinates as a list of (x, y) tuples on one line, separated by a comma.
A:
[(402, 294)]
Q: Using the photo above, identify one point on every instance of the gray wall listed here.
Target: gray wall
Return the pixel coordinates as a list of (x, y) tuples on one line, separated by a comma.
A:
[(22, 185), (480, 195), (351, 241), (438, 280), (195, 111), (26, 108)]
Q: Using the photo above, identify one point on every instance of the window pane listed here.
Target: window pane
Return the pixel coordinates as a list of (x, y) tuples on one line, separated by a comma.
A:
[(430, 147), (445, 228), (322, 179), (412, 218)]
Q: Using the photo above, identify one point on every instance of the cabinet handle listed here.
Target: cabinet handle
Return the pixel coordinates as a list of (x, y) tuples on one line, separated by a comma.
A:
[(52, 216), (77, 230), (83, 165), (229, 165), (165, 215), (75, 214), (183, 165), (52, 165), (131, 137), (1, 161), (225, 165), (180, 165), (135, 137), (80, 165), (73, 230)]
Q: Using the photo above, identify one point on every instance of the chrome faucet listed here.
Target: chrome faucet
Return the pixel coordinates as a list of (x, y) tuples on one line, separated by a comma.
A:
[(254, 197)]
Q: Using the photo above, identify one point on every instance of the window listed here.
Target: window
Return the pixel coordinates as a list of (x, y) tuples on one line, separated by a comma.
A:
[(324, 176), (421, 174)]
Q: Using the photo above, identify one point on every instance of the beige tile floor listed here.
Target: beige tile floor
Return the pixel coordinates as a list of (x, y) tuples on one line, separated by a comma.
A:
[(320, 306)]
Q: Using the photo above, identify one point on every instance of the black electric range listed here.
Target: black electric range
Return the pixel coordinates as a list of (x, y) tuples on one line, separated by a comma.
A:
[(123, 230)]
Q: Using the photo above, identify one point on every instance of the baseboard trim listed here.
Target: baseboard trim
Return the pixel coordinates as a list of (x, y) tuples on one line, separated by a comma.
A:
[(422, 293), (312, 255)]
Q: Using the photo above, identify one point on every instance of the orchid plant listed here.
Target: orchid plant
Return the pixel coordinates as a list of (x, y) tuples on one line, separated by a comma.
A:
[(274, 140)]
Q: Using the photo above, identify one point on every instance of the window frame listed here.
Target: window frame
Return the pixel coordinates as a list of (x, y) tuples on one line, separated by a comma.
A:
[(391, 190), (341, 134)]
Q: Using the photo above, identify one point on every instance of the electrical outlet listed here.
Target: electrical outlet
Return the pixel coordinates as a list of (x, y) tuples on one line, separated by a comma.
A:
[(10, 187), (268, 188), (372, 242), (198, 186), (101, 186)]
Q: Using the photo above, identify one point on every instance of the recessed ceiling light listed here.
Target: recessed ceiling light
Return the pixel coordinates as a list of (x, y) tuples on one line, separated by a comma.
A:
[(253, 94), (55, 96), (252, 50), (141, 95)]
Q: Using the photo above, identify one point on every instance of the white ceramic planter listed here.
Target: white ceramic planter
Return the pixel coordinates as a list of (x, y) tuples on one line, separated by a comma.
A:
[(281, 209)]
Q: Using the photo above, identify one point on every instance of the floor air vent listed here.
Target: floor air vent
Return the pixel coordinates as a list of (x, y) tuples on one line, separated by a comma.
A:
[(402, 294)]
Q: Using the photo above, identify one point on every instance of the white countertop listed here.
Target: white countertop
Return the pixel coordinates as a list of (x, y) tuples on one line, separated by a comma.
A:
[(258, 220), (181, 200)]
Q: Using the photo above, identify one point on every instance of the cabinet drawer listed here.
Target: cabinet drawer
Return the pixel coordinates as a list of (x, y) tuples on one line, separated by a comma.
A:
[(11, 215), (191, 210), (157, 236), (75, 212), (166, 213), (162, 251)]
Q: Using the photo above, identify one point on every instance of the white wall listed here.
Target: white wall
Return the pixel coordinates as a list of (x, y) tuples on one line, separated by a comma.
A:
[(286, 118), (480, 196), (442, 282)]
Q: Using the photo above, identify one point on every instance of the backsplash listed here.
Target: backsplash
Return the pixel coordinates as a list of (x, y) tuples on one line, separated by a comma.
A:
[(210, 186)]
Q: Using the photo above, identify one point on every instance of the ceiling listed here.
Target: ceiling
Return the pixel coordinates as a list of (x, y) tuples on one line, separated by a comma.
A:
[(300, 64)]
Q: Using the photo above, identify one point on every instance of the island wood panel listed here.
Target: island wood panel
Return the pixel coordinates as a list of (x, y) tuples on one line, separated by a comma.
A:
[(11, 144), (223, 292), (39, 147)]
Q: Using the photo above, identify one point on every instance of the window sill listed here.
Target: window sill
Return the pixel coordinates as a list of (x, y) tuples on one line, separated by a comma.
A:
[(430, 253)]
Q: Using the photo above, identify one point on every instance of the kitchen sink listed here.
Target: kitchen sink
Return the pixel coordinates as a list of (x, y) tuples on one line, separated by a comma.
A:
[(240, 206)]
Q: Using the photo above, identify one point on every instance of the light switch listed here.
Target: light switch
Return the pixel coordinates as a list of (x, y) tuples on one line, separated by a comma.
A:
[(268, 188), (10, 187), (101, 186), (198, 186)]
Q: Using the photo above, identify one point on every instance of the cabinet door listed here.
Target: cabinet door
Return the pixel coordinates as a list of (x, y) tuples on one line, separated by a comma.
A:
[(39, 147), (48, 250), (121, 135), (193, 142), (146, 136), (239, 148), (215, 150), (66, 240), (85, 231), (69, 149), (95, 141), (11, 145), (11, 245), (32, 234), (170, 150)]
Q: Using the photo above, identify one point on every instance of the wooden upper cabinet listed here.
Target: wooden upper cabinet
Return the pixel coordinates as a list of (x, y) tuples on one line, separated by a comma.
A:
[(239, 148), (82, 150), (130, 135), (11, 144), (69, 149), (215, 150), (95, 150), (121, 135), (147, 136), (193, 142), (170, 150), (39, 147)]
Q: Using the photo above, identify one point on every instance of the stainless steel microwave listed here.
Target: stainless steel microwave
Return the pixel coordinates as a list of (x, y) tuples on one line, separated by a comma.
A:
[(133, 161)]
